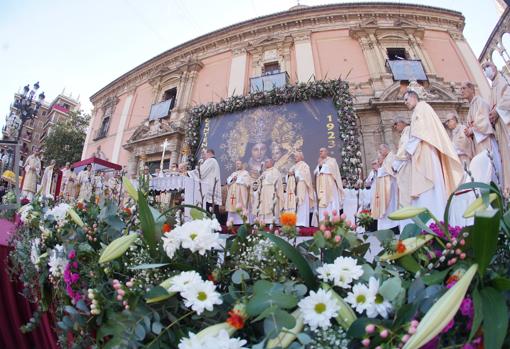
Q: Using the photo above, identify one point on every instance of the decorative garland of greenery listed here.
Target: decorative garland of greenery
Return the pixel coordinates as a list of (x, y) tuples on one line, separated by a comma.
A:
[(338, 90)]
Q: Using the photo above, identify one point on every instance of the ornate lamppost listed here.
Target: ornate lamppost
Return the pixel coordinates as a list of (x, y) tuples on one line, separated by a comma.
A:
[(26, 107)]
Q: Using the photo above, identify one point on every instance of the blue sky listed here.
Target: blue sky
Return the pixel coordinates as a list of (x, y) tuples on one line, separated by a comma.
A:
[(82, 45)]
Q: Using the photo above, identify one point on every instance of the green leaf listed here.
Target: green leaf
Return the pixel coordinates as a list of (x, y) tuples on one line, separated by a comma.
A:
[(239, 276), (478, 316), (410, 230), (501, 283), (357, 329), (495, 317), (139, 332), (305, 271), (479, 204), (409, 263), (485, 237), (391, 288), (117, 247), (156, 327), (130, 188), (196, 214), (435, 277), (280, 319), (384, 236), (148, 266), (147, 223)]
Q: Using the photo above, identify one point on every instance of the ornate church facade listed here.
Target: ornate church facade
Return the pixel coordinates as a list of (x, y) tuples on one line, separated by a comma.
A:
[(362, 43)]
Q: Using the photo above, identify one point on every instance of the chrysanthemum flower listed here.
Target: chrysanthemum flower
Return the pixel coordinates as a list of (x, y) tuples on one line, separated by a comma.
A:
[(318, 308)]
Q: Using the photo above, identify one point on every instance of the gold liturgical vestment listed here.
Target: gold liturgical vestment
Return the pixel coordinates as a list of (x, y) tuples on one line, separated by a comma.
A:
[(500, 100), (426, 126), (462, 144), (32, 168), (237, 194), (271, 200), (478, 118), (382, 195), (403, 169), (328, 181)]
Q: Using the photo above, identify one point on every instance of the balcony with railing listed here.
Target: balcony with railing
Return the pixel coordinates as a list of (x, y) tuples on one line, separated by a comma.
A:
[(60, 108), (269, 82), (406, 70), (161, 109)]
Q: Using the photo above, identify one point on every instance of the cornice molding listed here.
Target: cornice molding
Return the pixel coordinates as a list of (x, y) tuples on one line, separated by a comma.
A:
[(288, 23)]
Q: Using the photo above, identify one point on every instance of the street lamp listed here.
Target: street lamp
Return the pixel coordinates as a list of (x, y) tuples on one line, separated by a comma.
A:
[(24, 103)]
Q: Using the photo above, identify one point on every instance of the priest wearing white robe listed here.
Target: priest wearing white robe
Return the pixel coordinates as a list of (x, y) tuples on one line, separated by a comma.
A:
[(330, 191), (300, 195), (385, 195), (208, 172), (85, 179), (436, 170), (271, 194), (462, 144), (239, 184), (45, 190), (500, 117)]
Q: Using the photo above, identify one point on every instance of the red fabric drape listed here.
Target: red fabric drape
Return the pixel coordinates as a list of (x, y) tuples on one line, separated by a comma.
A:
[(15, 311)]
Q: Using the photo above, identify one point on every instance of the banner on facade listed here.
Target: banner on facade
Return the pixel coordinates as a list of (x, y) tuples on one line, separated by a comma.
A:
[(276, 132)]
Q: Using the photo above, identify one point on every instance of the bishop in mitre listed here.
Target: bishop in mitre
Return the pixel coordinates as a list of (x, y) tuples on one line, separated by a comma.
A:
[(500, 118), (271, 193), (330, 191), (239, 184), (462, 144), (47, 180), (32, 168), (436, 170), (384, 197), (300, 195)]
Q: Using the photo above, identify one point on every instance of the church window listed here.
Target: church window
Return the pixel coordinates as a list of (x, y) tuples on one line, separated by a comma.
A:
[(397, 53), (170, 94), (271, 68)]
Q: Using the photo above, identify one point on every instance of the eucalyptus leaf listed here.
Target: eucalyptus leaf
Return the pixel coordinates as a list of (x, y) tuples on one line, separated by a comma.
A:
[(384, 236), (390, 288), (148, 266), (239, 276)]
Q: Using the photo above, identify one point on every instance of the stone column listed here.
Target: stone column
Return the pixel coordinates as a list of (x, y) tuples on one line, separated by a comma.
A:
[(237, 72), (122, 126), (305, 67)]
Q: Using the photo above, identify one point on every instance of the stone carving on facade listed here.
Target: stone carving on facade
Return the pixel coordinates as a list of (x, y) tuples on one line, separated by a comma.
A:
[(155, 128)]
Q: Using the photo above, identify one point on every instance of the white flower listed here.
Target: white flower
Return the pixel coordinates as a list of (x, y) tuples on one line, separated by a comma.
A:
[(171, 243), (380, 306), (201, 296), (220, 341), (318, 308), (58, 261), (182, 281), (360, 298), (58, 212), (24, 212), (199, 235), (342, 272), (34, 252)]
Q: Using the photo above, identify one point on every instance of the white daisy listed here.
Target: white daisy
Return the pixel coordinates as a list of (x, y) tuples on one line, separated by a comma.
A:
[(360, 298), (379, 306), (346, 270), (58, 212), (318, 308), (219, 341), (171, 243), (325, 272), (183, 280), (24, 212), (199, 235), (201, 296), (57, 261), (34, 252)]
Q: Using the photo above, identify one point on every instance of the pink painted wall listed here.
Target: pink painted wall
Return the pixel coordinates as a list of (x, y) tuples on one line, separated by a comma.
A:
[(212, 82), (335, 54), (445, 56), (141, 106)]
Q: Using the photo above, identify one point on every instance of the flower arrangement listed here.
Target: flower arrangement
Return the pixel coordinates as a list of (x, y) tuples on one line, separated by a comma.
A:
[(364, 219), (136, 279)]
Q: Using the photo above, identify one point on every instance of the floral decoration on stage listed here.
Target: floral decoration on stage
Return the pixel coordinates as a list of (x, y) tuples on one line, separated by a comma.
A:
[(338, 90), (130, 277)]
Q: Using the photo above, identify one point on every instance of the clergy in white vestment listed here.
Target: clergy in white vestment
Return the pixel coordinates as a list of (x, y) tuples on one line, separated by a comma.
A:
[(32, 168), (47, 180), (370, 180), (500, 117), (462, 144), (208, 172), (271, 193), (385, 196), (436, 170), (85, 180), (402, 166), (239, 184), (300, 196), (69, 184), (330, 191)]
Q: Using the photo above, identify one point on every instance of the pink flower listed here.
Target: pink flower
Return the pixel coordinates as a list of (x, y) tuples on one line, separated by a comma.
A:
[(467, 308), (327, 234), (343, 216), (448, 327), (322, 227), (336, 219), (334, 213), (72, 254)]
